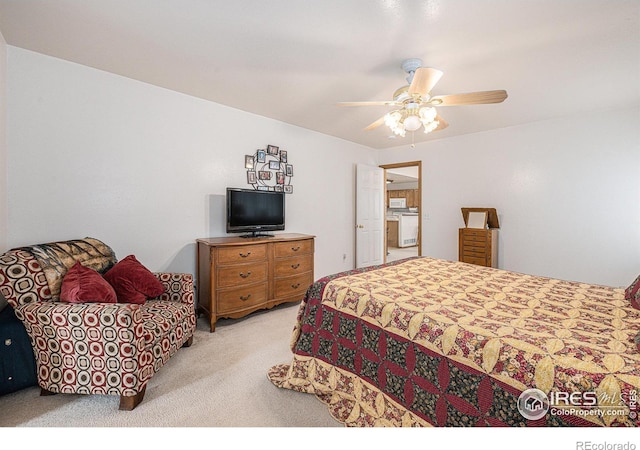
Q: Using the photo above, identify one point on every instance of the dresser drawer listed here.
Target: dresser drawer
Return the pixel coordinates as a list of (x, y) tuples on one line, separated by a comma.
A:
[(241, 274), (292, 248), (232, 300), (478, 253), (242, 254), (480, 261), (292, 266), (471, 236), (285, 287), (474, 242), (474, 247)]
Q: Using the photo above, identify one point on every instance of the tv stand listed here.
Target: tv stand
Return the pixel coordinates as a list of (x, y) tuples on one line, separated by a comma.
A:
[(237, 276)]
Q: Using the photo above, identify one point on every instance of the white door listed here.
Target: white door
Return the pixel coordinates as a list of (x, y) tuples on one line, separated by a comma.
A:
[(370, 215)]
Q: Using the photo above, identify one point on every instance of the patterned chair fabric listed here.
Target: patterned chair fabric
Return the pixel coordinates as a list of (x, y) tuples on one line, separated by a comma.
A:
[(94, 348)]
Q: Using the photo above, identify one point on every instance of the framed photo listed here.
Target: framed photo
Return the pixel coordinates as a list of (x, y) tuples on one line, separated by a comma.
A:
[(248, 162), (261, 155), (272, 149), (288, 189), (251, 177), (274, 165), (264, 175), (279, 188), (280, 177), (262, 188), (289, 170), (283, 156)]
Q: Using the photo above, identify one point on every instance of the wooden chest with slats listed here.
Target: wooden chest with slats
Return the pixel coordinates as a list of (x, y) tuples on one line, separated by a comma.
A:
[(479, 245)]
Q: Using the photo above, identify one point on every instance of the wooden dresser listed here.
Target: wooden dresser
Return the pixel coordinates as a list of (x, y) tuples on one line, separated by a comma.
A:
[(237, 276), (479, 245)]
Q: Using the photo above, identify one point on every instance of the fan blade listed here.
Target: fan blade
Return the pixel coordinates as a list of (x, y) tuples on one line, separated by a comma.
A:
[(472, 98), (424, 79), (380, 103), (375, 124), (442, 123)]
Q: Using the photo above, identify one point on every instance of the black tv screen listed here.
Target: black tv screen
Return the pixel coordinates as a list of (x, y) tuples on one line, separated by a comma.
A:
[(254, 212)]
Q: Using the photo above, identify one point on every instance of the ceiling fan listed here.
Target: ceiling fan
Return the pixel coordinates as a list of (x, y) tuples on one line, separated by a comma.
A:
[(414, 105)]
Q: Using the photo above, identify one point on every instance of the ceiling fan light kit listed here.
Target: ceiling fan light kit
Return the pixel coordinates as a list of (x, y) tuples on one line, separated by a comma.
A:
[(415, 105), (411, 119)]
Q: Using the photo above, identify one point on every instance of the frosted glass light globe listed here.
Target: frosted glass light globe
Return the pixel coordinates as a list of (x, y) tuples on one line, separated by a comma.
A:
[(412, 123)]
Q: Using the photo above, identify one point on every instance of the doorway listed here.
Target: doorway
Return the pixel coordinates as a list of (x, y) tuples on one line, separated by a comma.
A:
[(403, 203)]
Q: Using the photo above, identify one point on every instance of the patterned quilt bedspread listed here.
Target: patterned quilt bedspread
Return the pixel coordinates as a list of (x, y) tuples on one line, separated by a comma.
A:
[(428, 342)]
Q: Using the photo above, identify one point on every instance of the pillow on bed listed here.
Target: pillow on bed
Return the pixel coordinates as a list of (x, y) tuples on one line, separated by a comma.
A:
[(133, 282), (632, 293), (85, 285)]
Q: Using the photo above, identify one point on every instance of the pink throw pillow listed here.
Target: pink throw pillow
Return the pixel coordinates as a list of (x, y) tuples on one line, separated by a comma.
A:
[(133, 282), (85, 285)]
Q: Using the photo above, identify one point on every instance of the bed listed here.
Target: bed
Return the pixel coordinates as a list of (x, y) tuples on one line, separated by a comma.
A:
[(430, 342)]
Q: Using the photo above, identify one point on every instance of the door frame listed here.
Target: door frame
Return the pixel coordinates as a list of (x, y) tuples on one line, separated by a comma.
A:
[(417, 164)]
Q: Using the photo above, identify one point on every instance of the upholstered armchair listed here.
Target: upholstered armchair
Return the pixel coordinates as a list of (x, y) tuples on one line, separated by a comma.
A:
[(94, 347)]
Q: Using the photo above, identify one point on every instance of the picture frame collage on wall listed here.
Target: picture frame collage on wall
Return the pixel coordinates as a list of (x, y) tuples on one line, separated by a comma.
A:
[(269, 169)]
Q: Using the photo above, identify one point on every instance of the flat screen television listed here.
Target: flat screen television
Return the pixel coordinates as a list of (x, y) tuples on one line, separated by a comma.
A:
[(254, 212)]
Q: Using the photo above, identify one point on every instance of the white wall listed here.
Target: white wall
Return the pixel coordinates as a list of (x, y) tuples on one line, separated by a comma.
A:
[(567, 192), (145, 169), (3, 146)]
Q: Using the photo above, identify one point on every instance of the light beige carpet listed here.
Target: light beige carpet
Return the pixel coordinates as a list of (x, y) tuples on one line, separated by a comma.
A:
[(220, 381)]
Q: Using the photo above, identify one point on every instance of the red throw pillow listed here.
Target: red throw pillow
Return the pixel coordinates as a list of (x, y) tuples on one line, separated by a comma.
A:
[(84, 285), (632, 293), (133, 282)]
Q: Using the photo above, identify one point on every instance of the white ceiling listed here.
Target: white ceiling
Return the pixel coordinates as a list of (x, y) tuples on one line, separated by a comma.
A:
[(293, 60)]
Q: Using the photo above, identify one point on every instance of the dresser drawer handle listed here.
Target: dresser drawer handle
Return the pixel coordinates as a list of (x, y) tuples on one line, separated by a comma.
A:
[(244, 255), (295, 249), (245, 297), (295, 266), (295, 286), (245, 275)]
